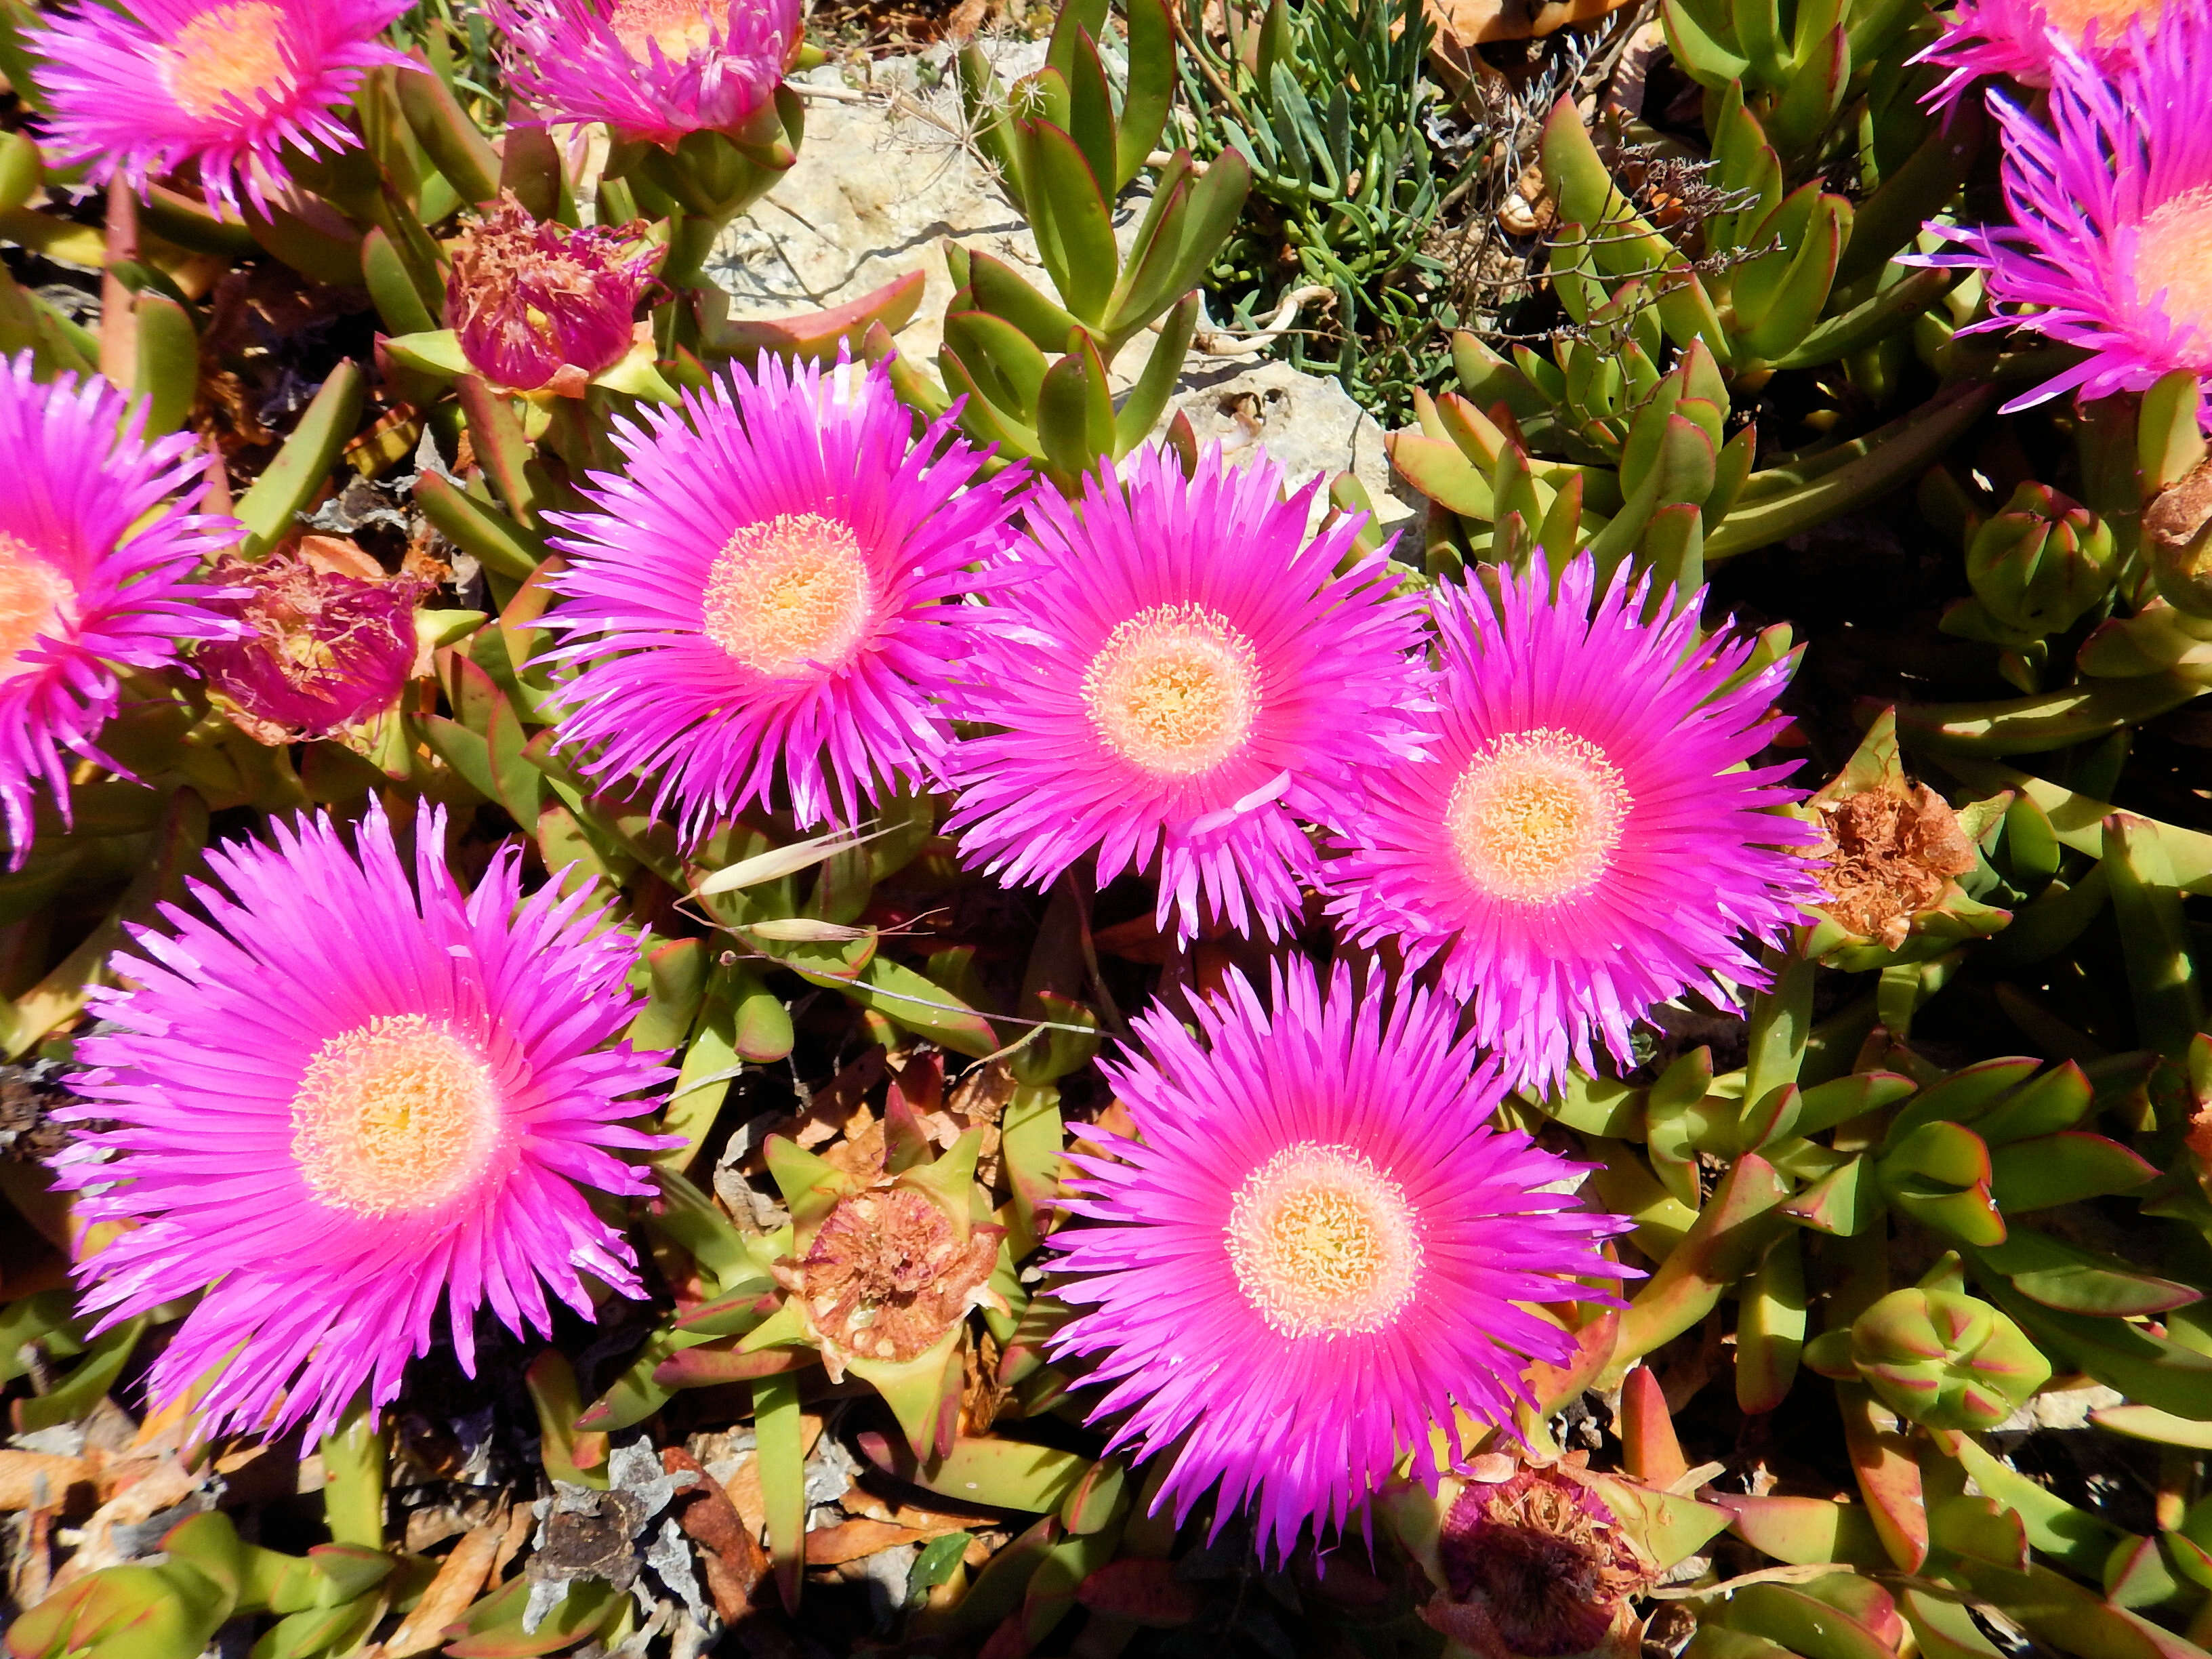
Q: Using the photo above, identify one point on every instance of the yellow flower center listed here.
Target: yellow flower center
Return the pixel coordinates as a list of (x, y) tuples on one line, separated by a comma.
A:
[(678, 28), (397, 1116), (790, 596), (1174, 690), (1536, 816), (1323, 1243), (2073, 17), (2174, 263), (229, 56), (34, 598)]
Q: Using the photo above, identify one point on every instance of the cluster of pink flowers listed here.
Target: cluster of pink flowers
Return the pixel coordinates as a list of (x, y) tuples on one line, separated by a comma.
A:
[(1529, 800), (790, 599)]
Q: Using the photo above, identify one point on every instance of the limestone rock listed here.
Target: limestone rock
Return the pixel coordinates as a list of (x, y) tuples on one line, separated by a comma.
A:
[(884, 179)]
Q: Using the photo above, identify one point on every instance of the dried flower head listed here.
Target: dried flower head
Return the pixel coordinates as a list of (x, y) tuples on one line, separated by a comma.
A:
[(1316, 1253), (887, 1273), (652, 69), (341, 1093), (538, 305), (1889, 855), (325, 646), (97, 561), (1582, 841), (1536, 1567), (141, 89)]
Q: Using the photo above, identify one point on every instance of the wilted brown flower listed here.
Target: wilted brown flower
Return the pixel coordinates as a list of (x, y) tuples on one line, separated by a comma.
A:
[(1535, 1567), (332, 641), (887, 1274), (1890, 854), (538, 305)]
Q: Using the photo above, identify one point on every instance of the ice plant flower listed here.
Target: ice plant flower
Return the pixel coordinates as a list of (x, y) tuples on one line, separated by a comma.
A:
[(652, 69), (768, 590), (1314, 1249), (324, 648), (1576, 847), (536, 304), (2023, 39), (1185, 679), (338, 1093), (141, 90), (2111, 207), (96, 562)]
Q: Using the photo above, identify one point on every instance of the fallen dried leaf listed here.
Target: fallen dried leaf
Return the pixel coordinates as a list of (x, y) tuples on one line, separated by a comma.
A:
[(735, 1560), (849, 1540), (461, 1576), (39, 1480)]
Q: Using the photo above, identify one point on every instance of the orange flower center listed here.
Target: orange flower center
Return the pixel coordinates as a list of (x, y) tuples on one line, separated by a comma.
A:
[(395, 1116), (678, 28), (2172, 271), (34, 599), (1174, 690), (790, 596), (1323, 1243), (1536, 816), (2073, 17), (229, 56)]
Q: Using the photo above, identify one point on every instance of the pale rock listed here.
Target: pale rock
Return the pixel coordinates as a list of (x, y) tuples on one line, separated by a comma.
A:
[(881, 184)]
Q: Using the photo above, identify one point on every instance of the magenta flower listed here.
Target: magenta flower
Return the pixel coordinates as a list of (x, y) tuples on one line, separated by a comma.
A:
[(339, 1095), (770, 588), (322, 649), (1576, 848), (227, 83), (537, 303), (2112, 212), (95, 574), (1315, 1249), (1185, 677), (2024, 38), (652, 69)]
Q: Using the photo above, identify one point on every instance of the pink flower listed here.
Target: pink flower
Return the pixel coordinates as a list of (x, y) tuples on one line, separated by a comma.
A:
[(769, 590), (2025, 39), (1184, 677), (2111, 213), (230, 84), (1576, 848), (535, 302), (652, 69), (95, 573), (1315, 1249), (340, 1095), (324, 649)]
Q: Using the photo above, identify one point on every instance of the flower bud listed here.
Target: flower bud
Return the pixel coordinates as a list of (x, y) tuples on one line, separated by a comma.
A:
[(538, 305), (1947, 1360), (2041, 563), (326, 646)]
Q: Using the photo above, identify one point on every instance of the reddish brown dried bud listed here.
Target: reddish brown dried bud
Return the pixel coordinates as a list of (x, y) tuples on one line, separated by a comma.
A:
[(1891, 854), (328, 645), (888, 1274), (540, 304), (1534, 1568)]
